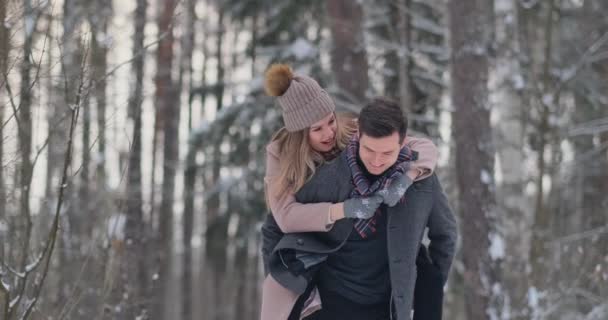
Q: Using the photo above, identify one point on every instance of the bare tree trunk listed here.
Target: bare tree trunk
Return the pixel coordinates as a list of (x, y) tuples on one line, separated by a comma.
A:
[(348, 57), (191, 25), (155, 137), (389, 32), (47, 253), (470, 25), (185, 71), (507, 105), (14, 292), (4, 49), (85, 176), (252, 298), (53, 96), (23, 118), (52, 119), (83, 194), (66, 86), (404, 55), (205, 50), (254, 41), (169, 113), (219, 55), (158, 120), (234, 61), (542, 218), (213, 202), (189, 189), (72, 76), (99, 60), (170, 162), (133, 267)]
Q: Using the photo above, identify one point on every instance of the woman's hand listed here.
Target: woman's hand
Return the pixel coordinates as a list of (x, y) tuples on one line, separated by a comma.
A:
[(362, 208), (395, 190)]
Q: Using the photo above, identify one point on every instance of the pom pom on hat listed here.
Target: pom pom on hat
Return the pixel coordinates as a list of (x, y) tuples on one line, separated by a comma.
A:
[(278, 79)]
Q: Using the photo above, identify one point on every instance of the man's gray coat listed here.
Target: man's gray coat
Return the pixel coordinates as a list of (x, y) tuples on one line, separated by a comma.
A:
[(425, 206)]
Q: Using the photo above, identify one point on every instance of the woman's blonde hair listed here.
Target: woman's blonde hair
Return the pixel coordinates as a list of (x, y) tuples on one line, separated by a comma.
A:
[(298, 160)]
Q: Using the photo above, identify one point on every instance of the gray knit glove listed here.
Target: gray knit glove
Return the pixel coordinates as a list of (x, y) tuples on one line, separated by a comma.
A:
[(362, 208), (395, 190)]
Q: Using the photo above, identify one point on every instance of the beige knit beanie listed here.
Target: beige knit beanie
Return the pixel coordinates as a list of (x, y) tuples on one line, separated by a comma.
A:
[(303, 101)]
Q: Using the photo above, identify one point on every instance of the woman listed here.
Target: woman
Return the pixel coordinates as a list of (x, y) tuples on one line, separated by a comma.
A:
[(313, 134)]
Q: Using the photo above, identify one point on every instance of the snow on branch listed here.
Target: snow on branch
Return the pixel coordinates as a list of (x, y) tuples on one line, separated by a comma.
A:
[(578, 236), (599, 312), (223, 119), (571, 72), (428, 25), (592, 127)]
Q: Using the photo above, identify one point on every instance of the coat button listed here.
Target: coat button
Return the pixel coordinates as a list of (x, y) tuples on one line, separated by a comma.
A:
[(300, 242)]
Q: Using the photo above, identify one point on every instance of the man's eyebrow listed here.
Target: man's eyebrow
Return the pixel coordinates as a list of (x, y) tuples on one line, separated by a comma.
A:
[(370, 149)]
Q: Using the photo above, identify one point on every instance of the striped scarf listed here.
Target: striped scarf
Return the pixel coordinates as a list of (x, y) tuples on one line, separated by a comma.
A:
[(331, 154), (362, 186)]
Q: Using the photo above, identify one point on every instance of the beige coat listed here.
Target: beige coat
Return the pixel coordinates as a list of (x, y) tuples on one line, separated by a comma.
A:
[(291, 216)]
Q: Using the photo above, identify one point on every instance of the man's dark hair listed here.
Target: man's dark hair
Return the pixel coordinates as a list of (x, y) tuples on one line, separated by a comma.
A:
[(381, 118)]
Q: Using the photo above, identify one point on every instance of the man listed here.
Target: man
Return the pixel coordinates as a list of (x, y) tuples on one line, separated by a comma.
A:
[(366, 268)]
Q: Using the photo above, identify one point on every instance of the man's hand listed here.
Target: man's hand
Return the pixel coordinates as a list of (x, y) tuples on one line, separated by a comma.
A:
[(362, 208), (395, 190)]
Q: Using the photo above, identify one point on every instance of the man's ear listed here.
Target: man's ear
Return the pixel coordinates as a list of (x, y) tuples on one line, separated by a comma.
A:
[(404, 143)]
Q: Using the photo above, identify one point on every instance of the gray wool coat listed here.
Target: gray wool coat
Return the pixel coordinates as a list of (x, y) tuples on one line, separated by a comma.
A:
[(425, 206)]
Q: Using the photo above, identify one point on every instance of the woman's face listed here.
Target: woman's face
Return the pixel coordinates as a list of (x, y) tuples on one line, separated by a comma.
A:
[(322, 134)]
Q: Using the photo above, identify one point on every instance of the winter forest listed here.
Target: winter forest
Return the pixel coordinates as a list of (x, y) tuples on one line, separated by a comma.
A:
[(133, 137)]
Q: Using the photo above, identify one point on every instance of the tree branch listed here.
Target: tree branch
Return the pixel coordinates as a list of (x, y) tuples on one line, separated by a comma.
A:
[(64, 180)]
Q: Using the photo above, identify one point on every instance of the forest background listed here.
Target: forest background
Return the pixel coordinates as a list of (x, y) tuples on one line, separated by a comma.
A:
[(133, 135)]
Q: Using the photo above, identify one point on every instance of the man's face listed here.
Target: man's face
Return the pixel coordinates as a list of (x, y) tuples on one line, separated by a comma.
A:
[(379, 154)]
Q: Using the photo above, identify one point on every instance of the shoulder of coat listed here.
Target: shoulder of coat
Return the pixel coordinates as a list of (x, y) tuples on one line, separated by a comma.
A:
[(273, 148)]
